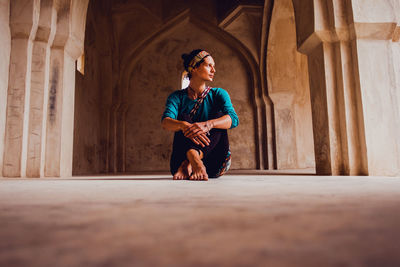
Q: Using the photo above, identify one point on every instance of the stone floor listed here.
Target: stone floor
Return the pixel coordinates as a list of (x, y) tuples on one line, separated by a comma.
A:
[(237, 220)]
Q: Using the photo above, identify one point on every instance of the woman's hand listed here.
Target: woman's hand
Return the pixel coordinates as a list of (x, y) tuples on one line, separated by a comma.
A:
[(198, 128), (201, 140), (197, 132)]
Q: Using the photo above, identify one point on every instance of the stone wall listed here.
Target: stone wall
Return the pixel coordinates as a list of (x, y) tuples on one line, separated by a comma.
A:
[(157, 74), (128, 82), (5, 49), (353, 56), (88, 114)]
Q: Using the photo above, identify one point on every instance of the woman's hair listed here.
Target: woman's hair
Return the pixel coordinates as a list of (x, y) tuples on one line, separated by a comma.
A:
[(188, 57)]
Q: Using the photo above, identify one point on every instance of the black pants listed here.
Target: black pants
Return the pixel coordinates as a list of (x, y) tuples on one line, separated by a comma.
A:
[(214, 155)]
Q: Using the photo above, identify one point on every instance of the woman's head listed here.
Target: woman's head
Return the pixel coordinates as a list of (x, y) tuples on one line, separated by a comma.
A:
[(193, 60)]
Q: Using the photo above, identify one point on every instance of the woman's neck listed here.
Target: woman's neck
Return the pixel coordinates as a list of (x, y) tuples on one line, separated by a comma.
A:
[(197, 87)]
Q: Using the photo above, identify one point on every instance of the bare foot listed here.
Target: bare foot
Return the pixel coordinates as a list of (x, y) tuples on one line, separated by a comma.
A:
[(199, 170), (183, 171)]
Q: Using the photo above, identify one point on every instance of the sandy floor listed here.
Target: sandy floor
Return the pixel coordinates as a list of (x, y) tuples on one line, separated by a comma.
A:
[(236, 220)]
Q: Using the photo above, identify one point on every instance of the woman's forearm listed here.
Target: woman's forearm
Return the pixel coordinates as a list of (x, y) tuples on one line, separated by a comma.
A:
[(224, 122), (173, 125)]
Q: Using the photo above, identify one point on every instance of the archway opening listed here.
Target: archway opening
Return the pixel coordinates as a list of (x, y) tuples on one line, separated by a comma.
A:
[(117, 122)]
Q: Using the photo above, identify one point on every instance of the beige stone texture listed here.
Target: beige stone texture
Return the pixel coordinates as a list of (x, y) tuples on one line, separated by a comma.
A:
[(93, 94), (66, 48), (146, 149), (245, 24), (336, 92), (379, 92), (34, 70), (377, 52), (57, 122), (135, 71), (39, 76), (367, 11), (236, 220), (23, 25), (290, 92), (5, 50)]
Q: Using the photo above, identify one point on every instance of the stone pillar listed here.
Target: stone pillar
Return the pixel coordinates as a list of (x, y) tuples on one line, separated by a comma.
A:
[(376, 29), (5, 50), (40, 73), (66, 48), (324, 34), (352, 48), (59, 61), (289, 90), (327, 108), (23, 24)]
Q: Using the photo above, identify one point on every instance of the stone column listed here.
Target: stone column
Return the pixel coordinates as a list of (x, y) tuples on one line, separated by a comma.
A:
[(66, 48), (289, 90), (377, 52), (353, 52), (40, 72), (326, 102), (5, 50), (61, 77), (324, 34), (23, 24)]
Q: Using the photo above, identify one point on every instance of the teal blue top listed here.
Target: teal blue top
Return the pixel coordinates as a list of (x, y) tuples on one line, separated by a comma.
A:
[(217, 100)]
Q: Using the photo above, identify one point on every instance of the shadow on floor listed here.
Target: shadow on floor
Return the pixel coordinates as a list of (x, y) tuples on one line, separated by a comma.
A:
[(157, 176)]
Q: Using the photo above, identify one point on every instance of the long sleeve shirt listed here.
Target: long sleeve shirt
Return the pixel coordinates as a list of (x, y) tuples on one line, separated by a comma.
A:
[(217, 100)]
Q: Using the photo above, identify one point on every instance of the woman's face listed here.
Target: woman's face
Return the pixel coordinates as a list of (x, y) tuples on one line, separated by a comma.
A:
[(206, 70)]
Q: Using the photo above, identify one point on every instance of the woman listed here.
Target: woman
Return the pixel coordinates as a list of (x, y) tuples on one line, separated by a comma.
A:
[(200, 116)]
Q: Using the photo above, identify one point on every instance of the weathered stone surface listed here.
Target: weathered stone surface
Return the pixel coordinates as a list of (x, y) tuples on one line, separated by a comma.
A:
[(231, 221), (31, 69), (5, 50), (377, 55), (380, 105), (66, 48), (133, 100), (355, 57), (148, 147), (23, 25), (94, 94), (368, 11), (352, 49), (39, 87), (245, 24), (290, 92)]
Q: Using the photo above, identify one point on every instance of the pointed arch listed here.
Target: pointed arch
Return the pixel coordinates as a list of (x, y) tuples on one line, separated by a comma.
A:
[(257, 93)]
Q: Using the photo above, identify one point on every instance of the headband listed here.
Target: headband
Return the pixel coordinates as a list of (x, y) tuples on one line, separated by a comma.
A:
[(197, 58)]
